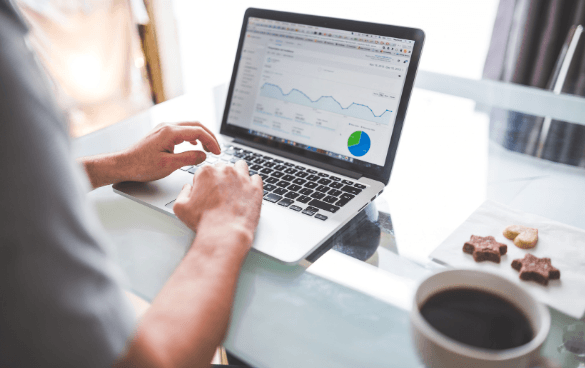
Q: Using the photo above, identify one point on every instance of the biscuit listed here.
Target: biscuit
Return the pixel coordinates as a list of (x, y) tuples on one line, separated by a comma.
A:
[(523, 237), (485, 248), (536, 269)]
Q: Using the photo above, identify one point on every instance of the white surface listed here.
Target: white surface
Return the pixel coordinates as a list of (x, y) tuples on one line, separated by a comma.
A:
[(563, 244), (440, 172)]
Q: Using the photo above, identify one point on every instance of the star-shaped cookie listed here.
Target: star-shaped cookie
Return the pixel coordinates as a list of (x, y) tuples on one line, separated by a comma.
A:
[(536, 269), (485, 248)]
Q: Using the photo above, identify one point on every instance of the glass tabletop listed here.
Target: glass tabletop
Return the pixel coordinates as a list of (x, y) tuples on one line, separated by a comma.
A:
[(454, 153)]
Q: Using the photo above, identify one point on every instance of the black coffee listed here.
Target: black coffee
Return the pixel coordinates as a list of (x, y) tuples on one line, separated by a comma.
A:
[(477, 318)]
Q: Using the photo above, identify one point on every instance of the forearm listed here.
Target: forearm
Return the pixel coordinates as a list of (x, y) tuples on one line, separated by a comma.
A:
[(188, 319), (103, 169)]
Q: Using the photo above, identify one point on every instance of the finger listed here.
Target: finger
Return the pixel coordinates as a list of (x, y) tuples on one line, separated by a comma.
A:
[(242, 168), (184, 194), (187, 158), (256, 180), (198, 124), (182, 134)]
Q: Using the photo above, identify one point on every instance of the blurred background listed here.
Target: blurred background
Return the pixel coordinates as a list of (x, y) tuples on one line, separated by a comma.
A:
[(110, 59)]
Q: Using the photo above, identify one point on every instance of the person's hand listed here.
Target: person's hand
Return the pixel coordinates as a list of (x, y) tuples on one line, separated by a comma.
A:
[(153, 157), (221, 195)]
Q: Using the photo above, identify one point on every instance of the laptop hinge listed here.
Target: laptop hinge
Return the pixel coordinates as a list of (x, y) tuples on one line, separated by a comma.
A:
[(308, 161)]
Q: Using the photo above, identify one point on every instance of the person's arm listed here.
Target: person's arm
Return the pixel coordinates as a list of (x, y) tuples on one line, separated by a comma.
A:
[(152, 157), (189, 318)]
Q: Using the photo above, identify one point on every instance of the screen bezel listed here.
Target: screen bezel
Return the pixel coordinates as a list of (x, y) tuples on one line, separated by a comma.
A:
[(375, 172)]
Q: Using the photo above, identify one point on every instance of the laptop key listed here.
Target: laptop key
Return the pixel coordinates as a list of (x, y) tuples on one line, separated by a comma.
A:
[(266, 170), (263, 176), (324, 181), (323, 175), (288, 178), (270, 164), (317, 195), (259, 161), (280, 167), (323, 206), (322, 188), (294, 187), (271, 180), (299, 167), (277, 161), (295, 208), (293, 195), (299, 181), (303, 199), (269, 187), (277, 174), (335, 185), (282, 184), (334, 192), (320, 217), (279, 191), (306, 191), (330, 199), (290, 171), (286, 202), (342, 202), (347, 196), (312, 177), (272, 197), (359, 186), (334, 178), (256, 167), (309, 211), (311, 171), (311, 185), (288, 164), (302, 174), (352, 190), (347, 182)]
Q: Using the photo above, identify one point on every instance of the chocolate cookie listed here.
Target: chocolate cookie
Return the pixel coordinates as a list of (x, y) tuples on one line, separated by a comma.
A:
[(485, 248), (536, 269)]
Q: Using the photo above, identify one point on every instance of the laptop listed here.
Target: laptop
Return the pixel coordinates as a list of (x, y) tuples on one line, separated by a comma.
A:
[(315, 106)]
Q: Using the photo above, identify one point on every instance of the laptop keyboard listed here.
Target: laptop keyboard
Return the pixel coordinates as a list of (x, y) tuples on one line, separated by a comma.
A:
[(301, 189)]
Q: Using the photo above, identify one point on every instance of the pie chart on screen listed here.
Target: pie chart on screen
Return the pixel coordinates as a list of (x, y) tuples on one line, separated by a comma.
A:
[(358, 143)]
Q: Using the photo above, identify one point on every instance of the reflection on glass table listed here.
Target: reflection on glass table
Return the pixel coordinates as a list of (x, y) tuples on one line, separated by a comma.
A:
[(353, 309)]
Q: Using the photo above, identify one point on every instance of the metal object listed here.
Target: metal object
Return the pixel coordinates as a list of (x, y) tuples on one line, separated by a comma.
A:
[(556, 83)]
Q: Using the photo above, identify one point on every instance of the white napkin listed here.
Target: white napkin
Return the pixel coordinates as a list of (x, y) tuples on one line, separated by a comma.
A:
[(563, 244)]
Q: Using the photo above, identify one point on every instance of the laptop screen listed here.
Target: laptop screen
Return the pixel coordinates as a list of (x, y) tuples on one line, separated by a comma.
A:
[(332, 92)]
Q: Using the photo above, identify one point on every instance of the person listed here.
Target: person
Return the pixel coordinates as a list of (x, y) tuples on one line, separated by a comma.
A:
[(61, 303)]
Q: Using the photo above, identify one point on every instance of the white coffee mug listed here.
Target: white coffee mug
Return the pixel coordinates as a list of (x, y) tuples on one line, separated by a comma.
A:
[(438, 350)]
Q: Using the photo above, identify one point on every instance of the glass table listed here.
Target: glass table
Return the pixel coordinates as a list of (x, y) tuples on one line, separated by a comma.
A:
[(348, 303)]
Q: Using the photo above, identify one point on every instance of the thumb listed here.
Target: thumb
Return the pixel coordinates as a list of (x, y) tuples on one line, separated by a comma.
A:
[(188, 158), (184, 194)]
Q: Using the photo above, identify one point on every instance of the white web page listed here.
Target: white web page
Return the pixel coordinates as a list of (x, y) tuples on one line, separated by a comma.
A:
[(322, 96)]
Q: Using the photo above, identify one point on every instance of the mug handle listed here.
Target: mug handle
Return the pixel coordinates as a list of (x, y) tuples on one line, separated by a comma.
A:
[(544, 362)]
